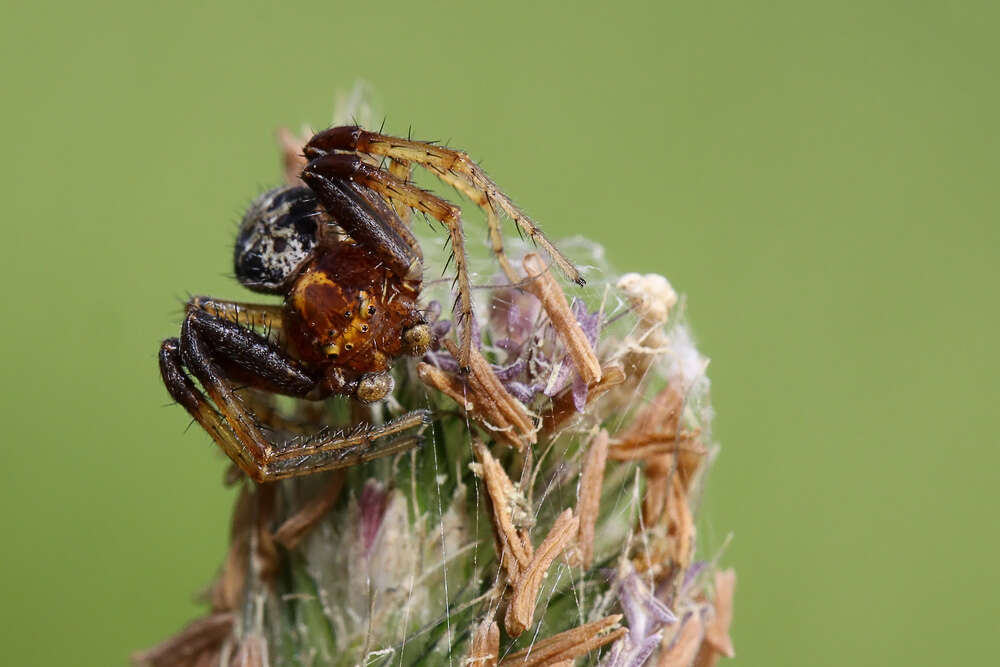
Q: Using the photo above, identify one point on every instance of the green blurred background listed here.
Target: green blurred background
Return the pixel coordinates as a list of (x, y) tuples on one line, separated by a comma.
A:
[(819, 178)]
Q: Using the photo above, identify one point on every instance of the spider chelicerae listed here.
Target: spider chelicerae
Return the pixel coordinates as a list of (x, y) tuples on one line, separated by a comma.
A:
[(341, 252)]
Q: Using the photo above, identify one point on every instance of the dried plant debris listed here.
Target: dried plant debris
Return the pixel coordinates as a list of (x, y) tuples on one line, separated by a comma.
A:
[(298, 525), (525, 597), (549, 518), (510, 516), (568, 645), (485, 650), (681, 649), (589, 497), (717, 641), (578, 343), (199, 643)]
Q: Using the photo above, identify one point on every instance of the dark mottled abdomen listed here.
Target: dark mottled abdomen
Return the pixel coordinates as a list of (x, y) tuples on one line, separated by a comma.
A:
[(276, 238)]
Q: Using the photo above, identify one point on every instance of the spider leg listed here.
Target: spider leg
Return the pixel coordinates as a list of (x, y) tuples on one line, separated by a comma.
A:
[(331, 451), (496, 244), (185, 392), (329, 173), (204, 342), (242, 356), (373, 225), (249, 315), (453, 167), (390, 214), (402, 170)]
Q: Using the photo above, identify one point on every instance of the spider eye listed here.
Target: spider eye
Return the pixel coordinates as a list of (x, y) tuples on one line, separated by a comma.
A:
[(364, 328), (347, 314), (371, 310), (349, 347)]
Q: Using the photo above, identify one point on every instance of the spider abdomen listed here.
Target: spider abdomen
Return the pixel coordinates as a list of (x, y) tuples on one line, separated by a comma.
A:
[(276, 237)]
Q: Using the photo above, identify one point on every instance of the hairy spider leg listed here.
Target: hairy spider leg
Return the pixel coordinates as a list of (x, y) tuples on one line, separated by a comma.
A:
[(453, 167), (267, 318), (325, 173), (367, 219), (250, 315), (295, 458), (403, 171), (390, 215), (204, 340)]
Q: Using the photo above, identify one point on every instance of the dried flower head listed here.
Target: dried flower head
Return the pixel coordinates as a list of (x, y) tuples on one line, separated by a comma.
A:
[(548, 520)]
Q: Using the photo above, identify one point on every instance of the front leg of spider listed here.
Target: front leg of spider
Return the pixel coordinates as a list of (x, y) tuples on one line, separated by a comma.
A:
[(346, 315), (453, 167), (218, 352)]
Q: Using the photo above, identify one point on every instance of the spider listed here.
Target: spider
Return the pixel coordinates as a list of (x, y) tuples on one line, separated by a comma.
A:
[(341, 252)]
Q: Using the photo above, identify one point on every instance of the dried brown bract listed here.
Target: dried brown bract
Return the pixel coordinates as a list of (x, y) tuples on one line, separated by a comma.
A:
[(681, 649), (568, 645), (563, 408), (509, 519), (485, 650), (199, 643), (588, 503), (478, 404), (504, 408), (717, 641), (297, 526), (544, 286), (522, 605)]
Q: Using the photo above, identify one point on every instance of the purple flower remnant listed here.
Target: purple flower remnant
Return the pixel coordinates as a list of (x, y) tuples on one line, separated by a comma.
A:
[(688, 584), (646, 617), (371, 508), (513, 318), (536, 362), (590, 323), (439, 329)]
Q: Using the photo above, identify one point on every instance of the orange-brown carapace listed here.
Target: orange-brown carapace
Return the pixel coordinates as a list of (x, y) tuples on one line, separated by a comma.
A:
[(347, 309)]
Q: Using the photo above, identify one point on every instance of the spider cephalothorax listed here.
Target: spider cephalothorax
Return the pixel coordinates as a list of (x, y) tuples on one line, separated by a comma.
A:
[(341, 253), (348, 312)]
